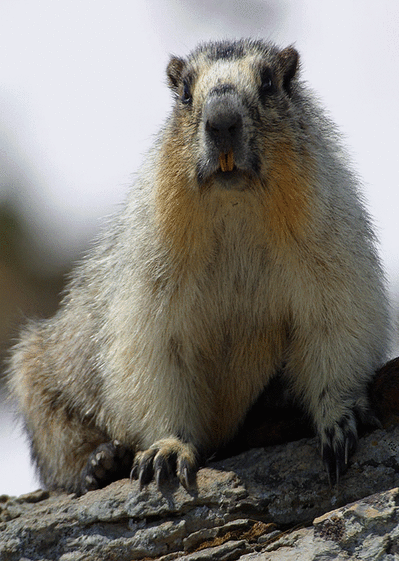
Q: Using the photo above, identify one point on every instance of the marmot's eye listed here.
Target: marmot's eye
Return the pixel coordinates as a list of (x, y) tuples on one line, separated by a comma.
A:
[(186, 97), (267, 84)]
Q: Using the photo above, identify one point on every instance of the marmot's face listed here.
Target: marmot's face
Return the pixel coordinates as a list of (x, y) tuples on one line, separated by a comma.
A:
[(232, 108)]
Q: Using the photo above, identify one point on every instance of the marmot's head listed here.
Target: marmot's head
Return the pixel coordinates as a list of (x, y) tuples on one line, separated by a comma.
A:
[(233, 107)]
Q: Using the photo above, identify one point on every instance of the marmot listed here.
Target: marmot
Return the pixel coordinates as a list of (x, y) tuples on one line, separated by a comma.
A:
[(244, 248)]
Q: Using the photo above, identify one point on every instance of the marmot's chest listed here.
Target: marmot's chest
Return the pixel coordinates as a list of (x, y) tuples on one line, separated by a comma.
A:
[(235, 313)]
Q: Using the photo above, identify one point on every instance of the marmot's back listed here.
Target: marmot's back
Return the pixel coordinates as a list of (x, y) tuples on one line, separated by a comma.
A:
[(243, 249)]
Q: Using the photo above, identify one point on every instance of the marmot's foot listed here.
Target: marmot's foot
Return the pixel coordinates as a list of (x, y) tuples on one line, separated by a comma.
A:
[(164, 460), (109, 462)]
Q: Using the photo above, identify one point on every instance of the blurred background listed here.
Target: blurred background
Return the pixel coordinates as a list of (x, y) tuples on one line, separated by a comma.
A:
[(83, 91)]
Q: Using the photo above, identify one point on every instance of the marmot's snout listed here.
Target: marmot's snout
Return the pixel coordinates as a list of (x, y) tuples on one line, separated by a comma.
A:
[(225, 124), (224, 128)]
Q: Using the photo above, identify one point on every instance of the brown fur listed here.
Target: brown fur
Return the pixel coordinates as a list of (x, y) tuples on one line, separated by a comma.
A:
[(243, 250)]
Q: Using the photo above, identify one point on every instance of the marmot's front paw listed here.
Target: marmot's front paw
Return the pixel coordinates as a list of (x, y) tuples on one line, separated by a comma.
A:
[(109, 462), (164, 460), (338, 442)]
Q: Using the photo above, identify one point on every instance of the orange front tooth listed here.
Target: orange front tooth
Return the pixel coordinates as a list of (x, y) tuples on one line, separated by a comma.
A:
[(230, 161), (223, 162), (226, 161)]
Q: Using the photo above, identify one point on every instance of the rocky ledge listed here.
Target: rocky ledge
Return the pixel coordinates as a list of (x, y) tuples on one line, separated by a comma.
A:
[(268, 503)]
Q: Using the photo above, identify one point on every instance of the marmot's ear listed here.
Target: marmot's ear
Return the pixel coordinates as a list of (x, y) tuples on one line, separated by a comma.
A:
[(174, 71), (289, 63)]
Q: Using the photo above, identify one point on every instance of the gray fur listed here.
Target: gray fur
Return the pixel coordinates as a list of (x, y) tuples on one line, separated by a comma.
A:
[(169, 331)]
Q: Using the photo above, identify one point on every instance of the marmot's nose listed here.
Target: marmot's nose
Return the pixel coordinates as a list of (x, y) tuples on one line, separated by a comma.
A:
[(224, 127), (223, 122)]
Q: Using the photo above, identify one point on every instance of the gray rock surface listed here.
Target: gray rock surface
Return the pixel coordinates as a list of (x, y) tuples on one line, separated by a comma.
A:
[(272, 503)]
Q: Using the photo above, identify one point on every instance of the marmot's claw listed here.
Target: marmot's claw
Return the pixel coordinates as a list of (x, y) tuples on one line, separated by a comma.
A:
[(146, 473), (143, 467), (165, 460), (337, 444), (165, 468), (186, 474), (109, 461)]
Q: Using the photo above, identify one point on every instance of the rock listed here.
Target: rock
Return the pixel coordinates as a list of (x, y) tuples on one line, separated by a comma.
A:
[(367, 529), (246, 507), (384, 391), (270, 503)]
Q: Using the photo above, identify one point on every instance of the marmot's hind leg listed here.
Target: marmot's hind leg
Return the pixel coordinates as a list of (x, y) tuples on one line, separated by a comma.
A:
[(109, 462)]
